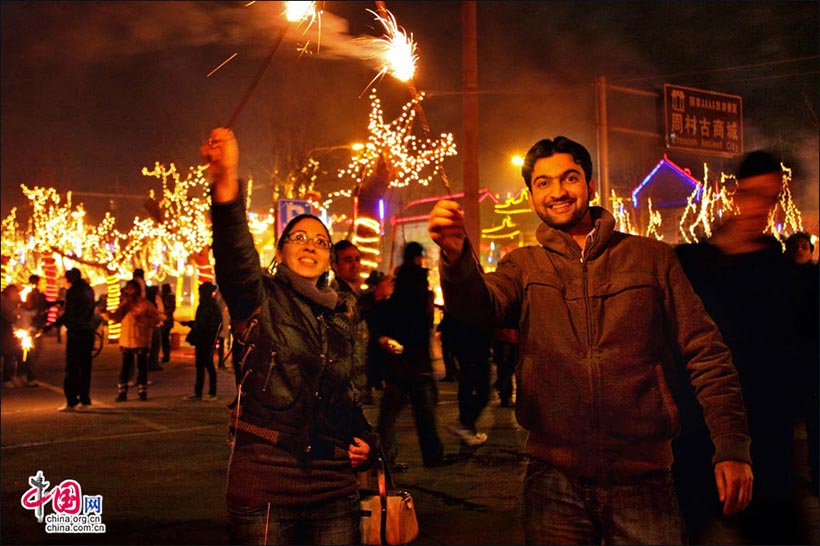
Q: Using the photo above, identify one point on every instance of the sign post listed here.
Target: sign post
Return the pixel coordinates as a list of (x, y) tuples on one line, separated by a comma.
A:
[(287, 210), (703, 121)]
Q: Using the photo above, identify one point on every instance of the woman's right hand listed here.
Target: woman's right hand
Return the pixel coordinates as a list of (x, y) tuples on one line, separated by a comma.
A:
[(221, 153)]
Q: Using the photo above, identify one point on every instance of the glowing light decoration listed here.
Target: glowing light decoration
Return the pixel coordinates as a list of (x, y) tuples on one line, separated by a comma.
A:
[(180, 226), (507, 230), (367, 237), (699, 216), (784, 218), (112, 302), (655, 222), (410, 159), (58, 234), (623, 216)]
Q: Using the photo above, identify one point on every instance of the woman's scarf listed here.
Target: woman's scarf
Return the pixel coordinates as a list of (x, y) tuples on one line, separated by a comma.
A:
[(324, 296)]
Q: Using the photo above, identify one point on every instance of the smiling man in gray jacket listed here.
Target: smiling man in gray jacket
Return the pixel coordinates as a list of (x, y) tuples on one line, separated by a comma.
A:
[(605, 318)]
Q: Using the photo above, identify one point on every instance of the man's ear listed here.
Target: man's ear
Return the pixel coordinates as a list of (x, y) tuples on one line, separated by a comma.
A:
[(530, 201), (591, 188)]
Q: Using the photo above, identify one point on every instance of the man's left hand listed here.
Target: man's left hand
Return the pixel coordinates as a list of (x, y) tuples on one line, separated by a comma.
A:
[(734, 484)]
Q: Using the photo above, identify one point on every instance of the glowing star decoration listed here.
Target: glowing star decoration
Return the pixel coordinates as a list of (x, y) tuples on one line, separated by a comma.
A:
[(406, 156)]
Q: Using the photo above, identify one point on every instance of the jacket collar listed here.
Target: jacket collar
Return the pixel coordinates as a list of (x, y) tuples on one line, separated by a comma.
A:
[(561, 242)]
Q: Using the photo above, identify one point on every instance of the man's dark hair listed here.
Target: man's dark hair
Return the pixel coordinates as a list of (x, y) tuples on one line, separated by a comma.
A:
[(73, 275), (548, 148), (33, 279), (757, 163), (412, 250), (139, 272), (344, 244)]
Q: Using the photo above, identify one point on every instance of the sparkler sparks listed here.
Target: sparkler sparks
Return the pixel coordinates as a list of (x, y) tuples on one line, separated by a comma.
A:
[(398, 55), (223, 63), (296, 12)]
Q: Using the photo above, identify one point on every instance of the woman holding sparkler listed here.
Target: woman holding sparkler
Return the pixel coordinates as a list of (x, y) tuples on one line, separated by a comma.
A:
[(299, 433)]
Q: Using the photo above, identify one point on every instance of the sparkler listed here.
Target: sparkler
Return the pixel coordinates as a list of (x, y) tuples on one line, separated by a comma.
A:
[(294, 12), (399, 49), (400, 62), (25, 341)]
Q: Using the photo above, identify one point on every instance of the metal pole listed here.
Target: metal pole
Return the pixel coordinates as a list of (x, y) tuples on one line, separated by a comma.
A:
[(603, 140)]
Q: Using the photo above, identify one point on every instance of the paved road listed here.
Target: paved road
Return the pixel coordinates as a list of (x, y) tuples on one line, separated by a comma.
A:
[(160, 465)]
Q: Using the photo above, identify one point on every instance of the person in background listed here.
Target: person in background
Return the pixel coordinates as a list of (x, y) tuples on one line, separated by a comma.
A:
[(12, 353), (447, 353), (742, 278), (470, 347), (300, 434), (153, 297), (139, 276), (33, 318), (169, 302), (505, 355), (78, 318), (347, 265), (404, 335), (372, 303), (58, 326), (203, 336), (605, 319), (805, 280), (137, 317)]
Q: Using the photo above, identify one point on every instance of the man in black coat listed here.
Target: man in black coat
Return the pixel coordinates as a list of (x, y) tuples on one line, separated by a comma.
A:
[(78, 319)]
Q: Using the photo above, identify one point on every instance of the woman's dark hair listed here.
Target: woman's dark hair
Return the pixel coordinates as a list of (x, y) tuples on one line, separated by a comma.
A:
[(290, 225), (548, 148), (135, 285)]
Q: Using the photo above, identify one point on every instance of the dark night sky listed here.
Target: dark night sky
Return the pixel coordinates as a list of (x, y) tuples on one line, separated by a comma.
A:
[(94, 91)]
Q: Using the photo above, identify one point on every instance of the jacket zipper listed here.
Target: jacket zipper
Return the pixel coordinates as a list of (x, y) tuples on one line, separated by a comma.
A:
[(590, 241), (322, 366)]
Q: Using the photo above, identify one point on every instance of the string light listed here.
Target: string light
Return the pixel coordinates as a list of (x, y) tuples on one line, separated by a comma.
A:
[(409, 158)]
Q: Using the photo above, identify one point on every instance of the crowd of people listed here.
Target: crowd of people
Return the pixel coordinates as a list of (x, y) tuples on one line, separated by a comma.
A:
[(659, 385)]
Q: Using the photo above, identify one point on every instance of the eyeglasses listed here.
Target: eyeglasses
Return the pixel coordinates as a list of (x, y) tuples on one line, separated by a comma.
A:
[(301, 238)]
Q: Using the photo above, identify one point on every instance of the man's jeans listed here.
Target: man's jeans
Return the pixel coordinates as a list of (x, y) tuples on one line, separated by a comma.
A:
[(336, 522), (558, 510)]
